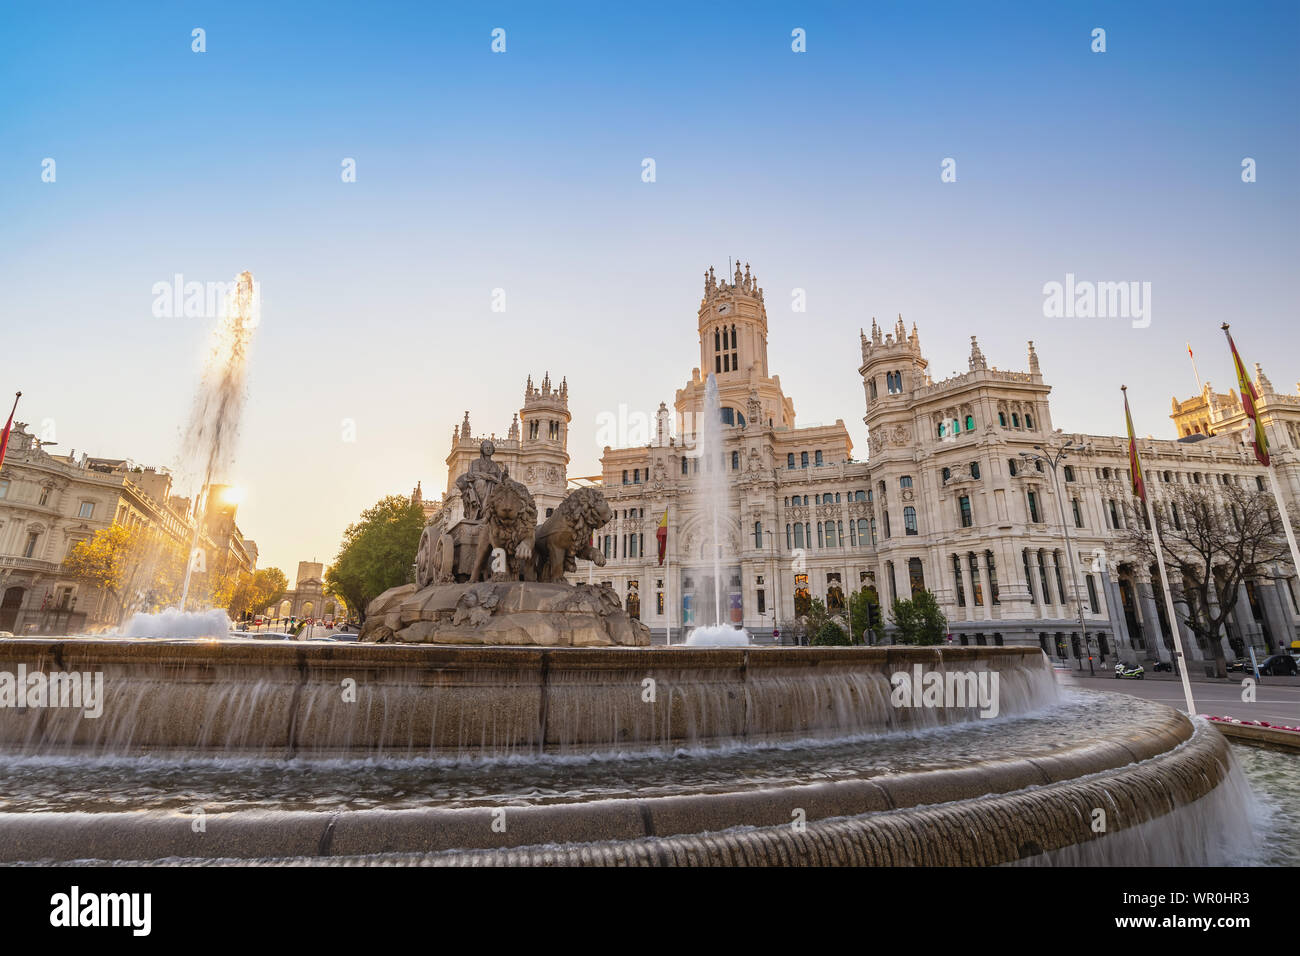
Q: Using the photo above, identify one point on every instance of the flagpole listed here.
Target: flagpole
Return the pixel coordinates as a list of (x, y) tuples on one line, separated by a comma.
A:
[(668, 585), (4, 439), (1140, 488), (1199, 387), (1286, 519), (1169, 611)]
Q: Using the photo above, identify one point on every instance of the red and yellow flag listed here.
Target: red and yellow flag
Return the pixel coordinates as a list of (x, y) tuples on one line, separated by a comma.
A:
[(1249, 401), (1134, 463), (9, 425), (661, 535)]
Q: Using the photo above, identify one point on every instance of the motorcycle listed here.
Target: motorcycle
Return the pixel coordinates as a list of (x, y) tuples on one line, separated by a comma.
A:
[(1129, 673)]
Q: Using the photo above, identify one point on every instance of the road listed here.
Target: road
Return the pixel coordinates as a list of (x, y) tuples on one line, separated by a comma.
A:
[(1277, 700)]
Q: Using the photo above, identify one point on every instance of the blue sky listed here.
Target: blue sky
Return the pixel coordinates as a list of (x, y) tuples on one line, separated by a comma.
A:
[(522, 171)]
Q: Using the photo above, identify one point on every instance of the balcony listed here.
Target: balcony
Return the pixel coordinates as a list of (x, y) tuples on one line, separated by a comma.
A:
[(27, 564)]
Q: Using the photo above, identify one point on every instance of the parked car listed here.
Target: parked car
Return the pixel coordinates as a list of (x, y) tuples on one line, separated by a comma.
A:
[(1279, 665), (1166, 666), (1240, 664), (335, 638)]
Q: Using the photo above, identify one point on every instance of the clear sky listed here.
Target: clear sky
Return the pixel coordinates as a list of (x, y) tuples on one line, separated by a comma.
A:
[(522, 171)]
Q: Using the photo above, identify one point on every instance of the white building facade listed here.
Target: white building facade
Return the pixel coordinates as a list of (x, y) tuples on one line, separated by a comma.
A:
[(944, 500)]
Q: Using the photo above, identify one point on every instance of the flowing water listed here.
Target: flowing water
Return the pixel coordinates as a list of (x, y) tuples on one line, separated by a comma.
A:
[(713, 497), (209, 446)]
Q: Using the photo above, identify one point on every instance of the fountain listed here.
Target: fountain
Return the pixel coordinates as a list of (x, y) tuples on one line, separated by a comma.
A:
[(713, 495), (491, 690)]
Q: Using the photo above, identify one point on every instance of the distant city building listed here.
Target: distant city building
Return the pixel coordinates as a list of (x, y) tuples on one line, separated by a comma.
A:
[(308, 598), (50, 503)]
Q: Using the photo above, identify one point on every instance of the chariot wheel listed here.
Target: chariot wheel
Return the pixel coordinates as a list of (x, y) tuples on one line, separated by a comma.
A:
[(425, 573)]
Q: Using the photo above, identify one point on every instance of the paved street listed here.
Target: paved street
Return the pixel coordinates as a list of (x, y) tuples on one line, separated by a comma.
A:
[(1277, 700)]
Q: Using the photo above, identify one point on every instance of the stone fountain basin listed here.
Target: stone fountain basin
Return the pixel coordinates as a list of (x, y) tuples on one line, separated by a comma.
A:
[(1169, 773), (314, 700)]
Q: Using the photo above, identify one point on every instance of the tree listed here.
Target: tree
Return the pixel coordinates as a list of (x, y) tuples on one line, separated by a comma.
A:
[(378, 552), (258, 591), (864, 615), (830, 635), (1213, 540), (107, 560), (919, 620)]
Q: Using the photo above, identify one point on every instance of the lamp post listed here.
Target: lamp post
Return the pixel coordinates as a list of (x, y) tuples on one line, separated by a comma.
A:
[(776, 581), (1052, 460)]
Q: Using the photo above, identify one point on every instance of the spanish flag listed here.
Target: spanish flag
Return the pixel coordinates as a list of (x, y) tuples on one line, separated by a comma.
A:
[(9, 425), (1249, 401), (661, 535), (1134, 463)]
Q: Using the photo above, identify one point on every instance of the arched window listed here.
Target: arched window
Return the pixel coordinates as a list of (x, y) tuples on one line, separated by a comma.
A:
[(798, 535), (885, 515), (832, 537), (970, 423), (915, 576), (1011, 466), (685, 467), (873, 532), (993, 577), (817, 459), (947, 473), (789, 460), (1069, 473), (1002, 419), (789, 539), (975, 470), (735, 461), (859, 495), (1029, 420), (1015, 420), (871, 388), (758, 534), (909, 520), (803, 459), (905, 481), (963, 510), (863, 532)]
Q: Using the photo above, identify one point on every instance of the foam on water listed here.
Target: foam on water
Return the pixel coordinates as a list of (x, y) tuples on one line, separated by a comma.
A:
[(173, 623), (719, 635)]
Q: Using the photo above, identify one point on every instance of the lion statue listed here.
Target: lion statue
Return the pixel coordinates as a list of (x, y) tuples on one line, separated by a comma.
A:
[(566, 534), (509, 520)]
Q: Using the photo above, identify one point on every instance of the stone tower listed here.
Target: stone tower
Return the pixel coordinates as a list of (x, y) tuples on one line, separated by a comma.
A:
[(733, 347)]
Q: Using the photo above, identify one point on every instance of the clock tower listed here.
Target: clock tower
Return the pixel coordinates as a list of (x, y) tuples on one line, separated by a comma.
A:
[(733, 348)]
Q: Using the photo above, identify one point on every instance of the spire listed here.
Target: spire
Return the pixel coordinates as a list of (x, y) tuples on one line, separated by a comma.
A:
[(977, 361), (464, 426), (915, 340), (708, 286), (900, 330), (875, 332), (514, 427), (1033, 359), (1265, 386), (564, 390), (417, 496), (737, 277)]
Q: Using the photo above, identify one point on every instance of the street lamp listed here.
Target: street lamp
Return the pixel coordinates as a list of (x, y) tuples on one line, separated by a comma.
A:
[(1052, 460), (776, 582)]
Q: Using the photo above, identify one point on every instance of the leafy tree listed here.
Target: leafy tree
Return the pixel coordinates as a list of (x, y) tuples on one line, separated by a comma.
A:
[(258, 591), (864, 615), (107, 560), (919, 620), (377, 553), (830, 634), (1213, 541)]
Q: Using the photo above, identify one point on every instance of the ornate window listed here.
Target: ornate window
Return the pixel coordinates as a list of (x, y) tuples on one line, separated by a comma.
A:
[(905, 481), (970, 423), (975, 470), (993, 577), (963, 507), (909, 520), (789, 460)]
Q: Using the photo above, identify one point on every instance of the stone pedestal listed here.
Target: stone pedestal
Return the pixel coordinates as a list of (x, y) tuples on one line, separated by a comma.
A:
[(518, 613)]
